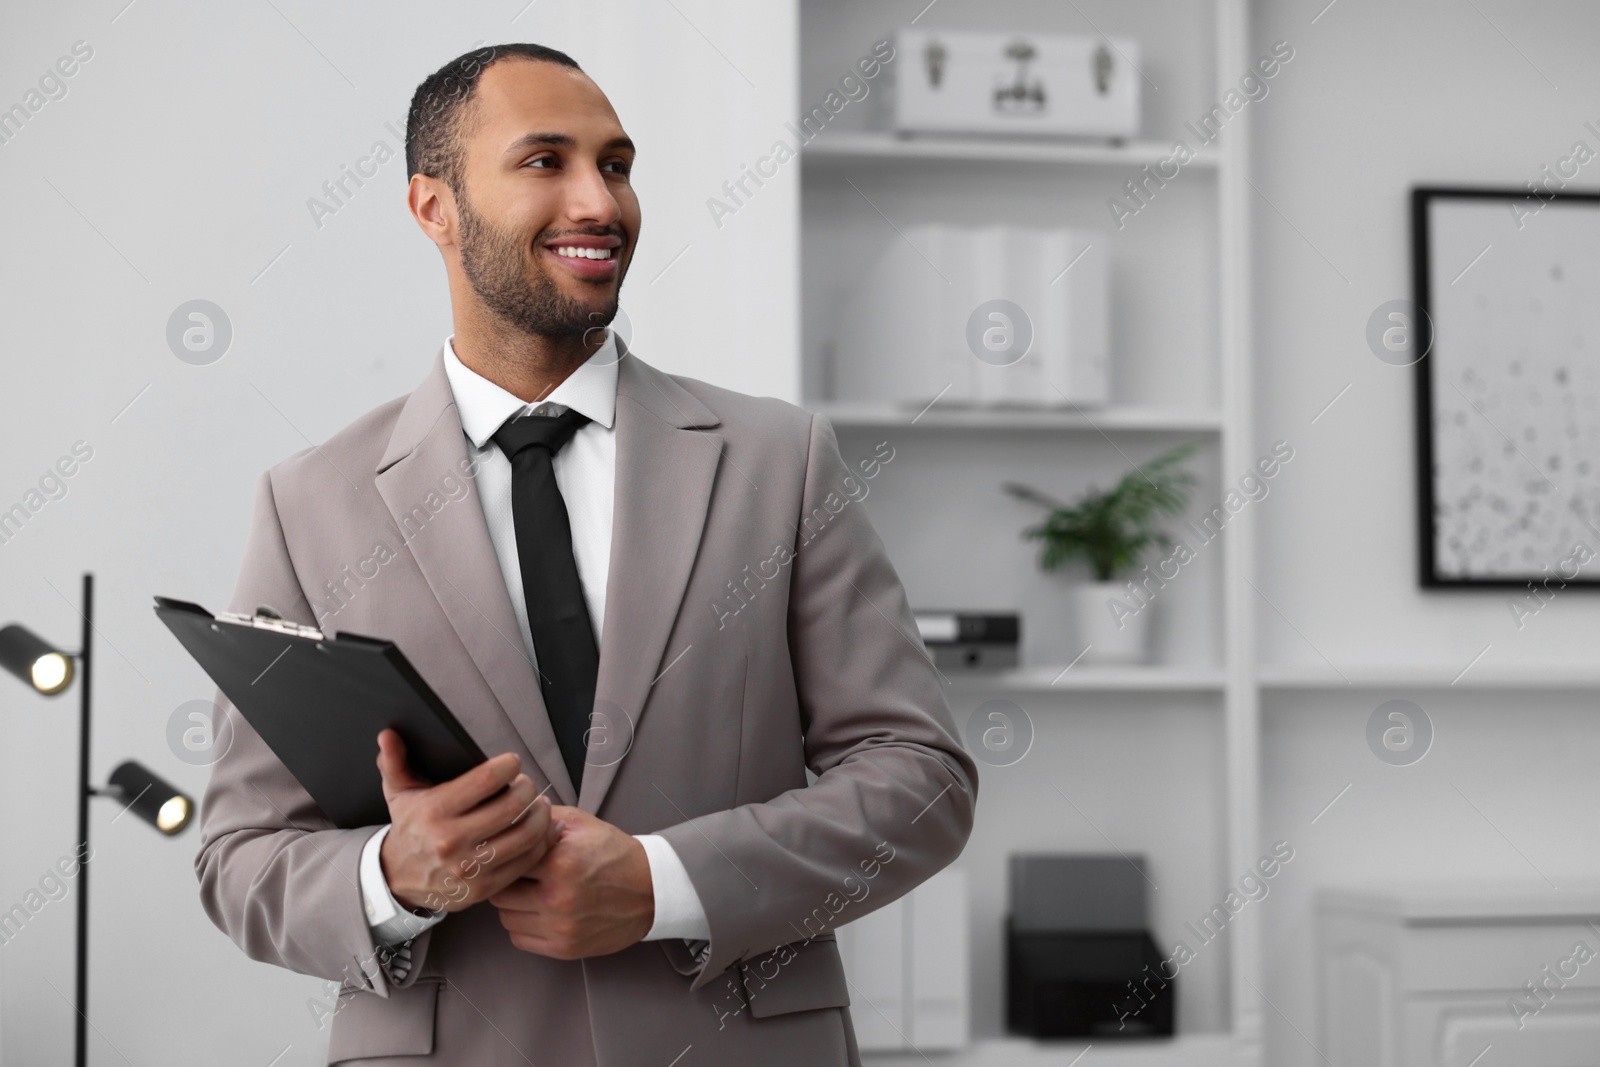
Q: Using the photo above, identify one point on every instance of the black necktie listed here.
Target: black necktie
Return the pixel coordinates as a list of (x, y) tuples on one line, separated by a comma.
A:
[(558, 615)]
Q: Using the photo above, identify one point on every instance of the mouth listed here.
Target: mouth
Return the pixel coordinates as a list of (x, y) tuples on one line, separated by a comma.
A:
[(590, 258)]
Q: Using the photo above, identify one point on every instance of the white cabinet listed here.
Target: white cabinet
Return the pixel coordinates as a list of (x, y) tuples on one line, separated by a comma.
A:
[(1434, 975)]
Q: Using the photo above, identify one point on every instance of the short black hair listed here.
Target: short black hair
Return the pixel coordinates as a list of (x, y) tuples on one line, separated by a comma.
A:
[(434, 123)]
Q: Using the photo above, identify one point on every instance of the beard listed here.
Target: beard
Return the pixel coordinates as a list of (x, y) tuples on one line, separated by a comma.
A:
[(523, 294)]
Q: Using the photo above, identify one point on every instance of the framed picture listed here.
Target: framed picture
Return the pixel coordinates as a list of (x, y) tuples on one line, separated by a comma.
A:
[(1507, 357)]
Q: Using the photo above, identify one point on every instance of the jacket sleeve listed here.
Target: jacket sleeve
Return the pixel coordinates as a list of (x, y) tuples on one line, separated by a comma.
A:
[(895, 793), (275, 874)]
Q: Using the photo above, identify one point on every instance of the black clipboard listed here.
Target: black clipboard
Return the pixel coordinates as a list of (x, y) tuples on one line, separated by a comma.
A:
[(319, 703)]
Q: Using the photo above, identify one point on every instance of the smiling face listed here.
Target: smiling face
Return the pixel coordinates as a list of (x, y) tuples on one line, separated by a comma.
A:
[(547, 212)]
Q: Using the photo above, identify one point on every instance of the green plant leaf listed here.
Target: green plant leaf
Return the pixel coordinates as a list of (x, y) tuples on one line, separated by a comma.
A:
[(1110, 530)]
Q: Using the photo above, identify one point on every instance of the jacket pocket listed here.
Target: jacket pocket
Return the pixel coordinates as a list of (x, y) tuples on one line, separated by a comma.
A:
[(400, 1025), (801, 976)]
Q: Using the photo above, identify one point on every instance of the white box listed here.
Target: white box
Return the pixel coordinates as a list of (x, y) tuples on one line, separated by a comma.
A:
[(1019, 84), (908, 968), (873, 949), (923, 322), (939, 970)]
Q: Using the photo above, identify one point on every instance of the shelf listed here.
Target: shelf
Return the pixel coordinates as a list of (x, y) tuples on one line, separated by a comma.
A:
[(946, 416), (1479, 676), (1193, 1050), (1084, 678), (847, 145)]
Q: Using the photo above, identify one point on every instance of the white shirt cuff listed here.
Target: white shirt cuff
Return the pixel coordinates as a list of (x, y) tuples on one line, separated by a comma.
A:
[(391, 923), (679, 912)]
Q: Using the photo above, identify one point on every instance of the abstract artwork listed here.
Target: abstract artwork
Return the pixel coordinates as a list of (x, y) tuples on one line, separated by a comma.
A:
[(1508, 385)]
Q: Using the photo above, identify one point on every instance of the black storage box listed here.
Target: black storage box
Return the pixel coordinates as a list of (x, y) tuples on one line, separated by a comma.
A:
[(1095, 983)]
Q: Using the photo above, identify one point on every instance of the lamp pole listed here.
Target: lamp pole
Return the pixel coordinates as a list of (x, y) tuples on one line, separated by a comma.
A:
[(85, 663), (50, 671)]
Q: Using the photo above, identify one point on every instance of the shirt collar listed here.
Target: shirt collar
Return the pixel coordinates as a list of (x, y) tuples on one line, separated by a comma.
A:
[(484, 407)]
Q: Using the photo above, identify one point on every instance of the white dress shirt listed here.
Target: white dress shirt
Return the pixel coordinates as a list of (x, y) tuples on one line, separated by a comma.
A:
[(585, 472)]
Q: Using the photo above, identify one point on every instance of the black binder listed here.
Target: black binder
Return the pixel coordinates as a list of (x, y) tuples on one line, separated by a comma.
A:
[(319, 703)]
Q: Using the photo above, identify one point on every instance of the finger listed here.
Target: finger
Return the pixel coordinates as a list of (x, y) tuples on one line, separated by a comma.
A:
[(396, 774), (539, 865), (508, 850), (541, 945), (543, 798), (525, 924), (467, 791), (522, 896), (534, 945), (569, 815), (493, 816), (512, 892), (521, 845), (507, 885), (533, 818)]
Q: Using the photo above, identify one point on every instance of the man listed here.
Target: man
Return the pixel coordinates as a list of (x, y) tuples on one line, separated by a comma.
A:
[(657, 601)]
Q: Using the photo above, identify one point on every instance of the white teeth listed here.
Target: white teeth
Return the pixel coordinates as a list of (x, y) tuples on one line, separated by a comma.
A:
[(576, 252)]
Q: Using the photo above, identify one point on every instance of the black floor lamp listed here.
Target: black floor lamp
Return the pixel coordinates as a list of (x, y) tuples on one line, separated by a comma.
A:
[(50, 671)]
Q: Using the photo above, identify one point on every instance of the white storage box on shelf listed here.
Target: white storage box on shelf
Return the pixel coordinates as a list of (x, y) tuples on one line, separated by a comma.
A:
[(1015, 84), (907, 964), (924, 320)]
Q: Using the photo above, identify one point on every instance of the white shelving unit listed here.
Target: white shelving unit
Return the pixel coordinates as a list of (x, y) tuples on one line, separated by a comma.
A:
[(1182, 356)]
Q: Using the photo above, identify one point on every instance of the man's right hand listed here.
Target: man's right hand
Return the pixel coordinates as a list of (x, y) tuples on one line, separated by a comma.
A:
[(449, 846)]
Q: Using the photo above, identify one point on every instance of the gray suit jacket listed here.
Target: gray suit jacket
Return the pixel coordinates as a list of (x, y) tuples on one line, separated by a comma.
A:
[(754, 628)]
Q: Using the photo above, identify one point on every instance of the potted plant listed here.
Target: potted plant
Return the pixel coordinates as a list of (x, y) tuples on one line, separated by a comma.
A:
[(1111, 530)]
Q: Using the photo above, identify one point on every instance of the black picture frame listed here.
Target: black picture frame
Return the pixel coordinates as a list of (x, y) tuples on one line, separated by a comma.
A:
[(1426, 369)]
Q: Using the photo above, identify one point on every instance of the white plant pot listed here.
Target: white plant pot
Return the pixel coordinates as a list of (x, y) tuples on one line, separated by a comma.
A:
[(1114, 626)]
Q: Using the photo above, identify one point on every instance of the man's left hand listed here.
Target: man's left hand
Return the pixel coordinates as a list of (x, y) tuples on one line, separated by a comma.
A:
[(590, 895)]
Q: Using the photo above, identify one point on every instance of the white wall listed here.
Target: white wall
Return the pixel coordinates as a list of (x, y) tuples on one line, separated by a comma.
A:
[(1380, 96), (178, 165)]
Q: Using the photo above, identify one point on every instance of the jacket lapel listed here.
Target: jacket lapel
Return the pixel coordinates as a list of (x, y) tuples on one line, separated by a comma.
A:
[(666, 464), (456, 557)]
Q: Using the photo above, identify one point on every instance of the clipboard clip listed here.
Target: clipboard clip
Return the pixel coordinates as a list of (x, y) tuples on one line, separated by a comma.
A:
[(267, 618)]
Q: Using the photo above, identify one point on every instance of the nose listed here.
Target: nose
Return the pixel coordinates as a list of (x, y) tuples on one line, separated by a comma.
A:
[(588, 198)]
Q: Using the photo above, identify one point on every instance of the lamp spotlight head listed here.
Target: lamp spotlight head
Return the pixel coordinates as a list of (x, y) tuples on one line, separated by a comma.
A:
[(34, 660), (155, 801)]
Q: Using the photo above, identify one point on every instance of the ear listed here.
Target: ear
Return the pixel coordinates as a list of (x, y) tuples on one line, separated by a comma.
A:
[(434, 207)]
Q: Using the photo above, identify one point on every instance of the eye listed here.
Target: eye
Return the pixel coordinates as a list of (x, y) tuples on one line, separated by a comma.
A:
[(540, 160), (622, 165)]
